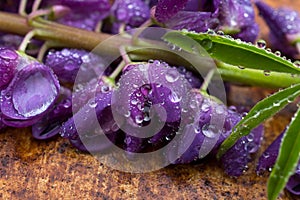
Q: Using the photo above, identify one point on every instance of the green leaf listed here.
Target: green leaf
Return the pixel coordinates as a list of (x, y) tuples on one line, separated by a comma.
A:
[(233, 51), (260, 112), (287, 160)]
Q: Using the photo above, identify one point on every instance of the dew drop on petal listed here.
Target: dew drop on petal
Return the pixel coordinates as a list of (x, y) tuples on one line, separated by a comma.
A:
[(209, 130), (174, 97), (172, 75)]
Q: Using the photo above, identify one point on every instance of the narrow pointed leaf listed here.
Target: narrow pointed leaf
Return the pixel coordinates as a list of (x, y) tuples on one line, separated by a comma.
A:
[(260, 112), (287, 158), (234, 51)]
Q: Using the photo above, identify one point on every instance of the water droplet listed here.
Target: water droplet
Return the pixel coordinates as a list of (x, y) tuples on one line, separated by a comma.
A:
[(168, 138), (206, 44), (174, 97), (172, 75), (205, 107), (297, 63), (104, 89), (8, 54), (143, 67), (145, 90), (115, 127), (139, 119), (261, 44), (209, 130), (241, 67), (127, 140), (266, 155), (277, 53), (127, 114), (268, 50), (250, 137), (134, 101), (67, 103), (220, 109), (93, 104), (269, 169), (197, 129), (276, 103), (220, 32), (210, 32), (267, 73)]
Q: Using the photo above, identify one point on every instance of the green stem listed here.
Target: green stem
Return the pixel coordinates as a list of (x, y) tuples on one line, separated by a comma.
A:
[(143, 50), (254, 77)]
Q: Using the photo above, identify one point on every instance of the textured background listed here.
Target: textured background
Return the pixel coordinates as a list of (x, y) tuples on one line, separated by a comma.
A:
[(31, 169)]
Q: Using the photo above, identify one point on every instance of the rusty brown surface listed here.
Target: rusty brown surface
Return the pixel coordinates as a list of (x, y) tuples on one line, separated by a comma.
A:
[(31, 169)]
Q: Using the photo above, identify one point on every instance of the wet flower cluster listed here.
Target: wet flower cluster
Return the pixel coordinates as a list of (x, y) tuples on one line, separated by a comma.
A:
[(146, 97)]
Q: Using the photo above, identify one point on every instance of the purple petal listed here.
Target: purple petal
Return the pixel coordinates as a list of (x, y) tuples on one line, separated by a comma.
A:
[(249, 33), (131, 12), (87, 21), (87, 5), (284, 24), (210, 6), (30, 94), (67, 62), (268, 158), (281, 21), (235, 160), (8, 64), (293, 184), (49, 126), (166, 9), (192, 21), (236, 14), (193, 5)]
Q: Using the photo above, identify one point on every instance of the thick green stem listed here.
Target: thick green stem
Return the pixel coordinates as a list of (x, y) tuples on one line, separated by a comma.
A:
[(143, 50)]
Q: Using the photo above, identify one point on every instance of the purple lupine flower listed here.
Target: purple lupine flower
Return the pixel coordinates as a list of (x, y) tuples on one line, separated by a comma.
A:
[(284, 24), (268, 159), (236, 16), (67, 62), (49, 126), (131, 13), (30, 94), (153, 110), (8, 65), (85, 14)]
